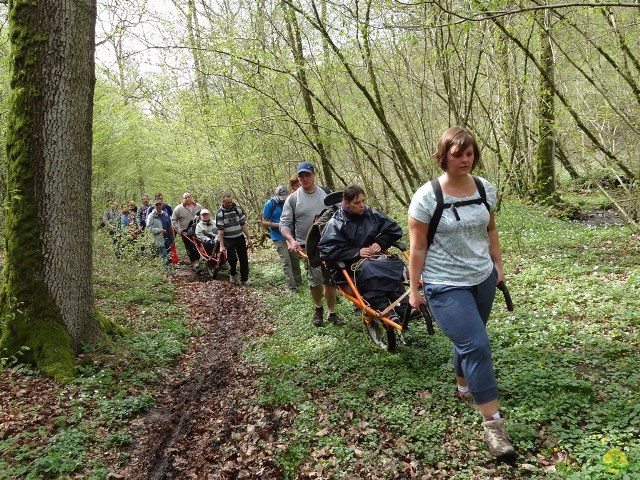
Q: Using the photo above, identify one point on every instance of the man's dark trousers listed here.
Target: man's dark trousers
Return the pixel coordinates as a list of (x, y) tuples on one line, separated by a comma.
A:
[(237, 251)]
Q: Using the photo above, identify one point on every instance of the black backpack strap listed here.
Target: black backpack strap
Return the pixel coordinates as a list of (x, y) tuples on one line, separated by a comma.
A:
[(440, 205), (482, 192), (437, 213)]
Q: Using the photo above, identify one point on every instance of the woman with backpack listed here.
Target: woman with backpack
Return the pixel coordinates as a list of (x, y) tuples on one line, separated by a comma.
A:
[(455, 251)]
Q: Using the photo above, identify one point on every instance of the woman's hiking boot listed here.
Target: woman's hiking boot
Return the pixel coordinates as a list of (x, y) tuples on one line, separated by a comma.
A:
[(497, 439)]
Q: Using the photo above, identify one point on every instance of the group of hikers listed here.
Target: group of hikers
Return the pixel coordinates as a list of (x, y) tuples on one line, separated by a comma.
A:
[(455, 259), (226, 234)]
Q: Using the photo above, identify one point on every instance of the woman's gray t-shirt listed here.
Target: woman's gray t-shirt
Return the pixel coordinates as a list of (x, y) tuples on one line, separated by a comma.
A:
[(459, 255)]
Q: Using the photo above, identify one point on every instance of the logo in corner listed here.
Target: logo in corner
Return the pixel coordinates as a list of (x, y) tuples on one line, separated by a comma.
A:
[(615, 460)]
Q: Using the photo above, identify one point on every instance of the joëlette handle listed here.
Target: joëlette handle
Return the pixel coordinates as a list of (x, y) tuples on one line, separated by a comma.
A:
[(507, 296), (427, 317)]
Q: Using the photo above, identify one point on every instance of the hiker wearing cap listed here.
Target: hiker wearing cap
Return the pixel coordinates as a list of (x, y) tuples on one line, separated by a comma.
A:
[(183, 216), (271, 219), (165, 206), (143, 212), (206, 231), (231, 222), (159, 224), (298, 214)]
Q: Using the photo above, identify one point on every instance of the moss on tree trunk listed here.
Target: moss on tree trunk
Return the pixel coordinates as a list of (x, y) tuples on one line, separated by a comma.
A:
[(545, 154), (46, 296)]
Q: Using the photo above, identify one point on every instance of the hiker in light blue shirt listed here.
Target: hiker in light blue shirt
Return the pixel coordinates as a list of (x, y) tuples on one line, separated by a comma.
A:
[(455, 252), (289, 260)]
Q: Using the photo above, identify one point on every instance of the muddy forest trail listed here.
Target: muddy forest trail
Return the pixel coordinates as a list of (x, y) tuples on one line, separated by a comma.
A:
[(217, 381), (206, 424)]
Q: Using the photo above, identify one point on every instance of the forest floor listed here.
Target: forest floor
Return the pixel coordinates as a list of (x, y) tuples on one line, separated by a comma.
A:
[(206, 424), (599, 218)]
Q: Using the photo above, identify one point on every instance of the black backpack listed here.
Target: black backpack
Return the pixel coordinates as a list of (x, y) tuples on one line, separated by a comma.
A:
[(440, 206), (315, 232)]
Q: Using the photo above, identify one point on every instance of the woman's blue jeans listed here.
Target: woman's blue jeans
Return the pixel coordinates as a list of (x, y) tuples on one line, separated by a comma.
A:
[(462, 314)]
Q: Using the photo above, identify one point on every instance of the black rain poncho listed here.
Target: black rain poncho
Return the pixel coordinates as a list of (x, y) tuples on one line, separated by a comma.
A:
[(379, 281), (346, 233)]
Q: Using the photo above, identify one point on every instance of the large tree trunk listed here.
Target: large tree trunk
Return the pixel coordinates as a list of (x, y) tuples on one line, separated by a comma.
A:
[(47, 296)]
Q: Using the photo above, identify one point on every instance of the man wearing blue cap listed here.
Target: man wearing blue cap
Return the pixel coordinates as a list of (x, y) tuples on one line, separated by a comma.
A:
[(298, 214)]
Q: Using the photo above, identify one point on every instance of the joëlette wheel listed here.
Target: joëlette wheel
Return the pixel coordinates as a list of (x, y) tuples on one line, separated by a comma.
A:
[(380, 335)]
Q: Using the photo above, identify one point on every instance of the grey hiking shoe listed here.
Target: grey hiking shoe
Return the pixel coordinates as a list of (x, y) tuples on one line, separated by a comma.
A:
[(497, 439), (335, 319), (317, 316), (233, 279)]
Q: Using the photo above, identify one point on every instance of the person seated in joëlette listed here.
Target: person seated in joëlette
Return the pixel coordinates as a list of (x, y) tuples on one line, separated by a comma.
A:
[(360, 234), (206, 231)]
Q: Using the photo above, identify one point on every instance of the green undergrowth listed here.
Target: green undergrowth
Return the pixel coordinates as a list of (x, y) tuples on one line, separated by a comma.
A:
[(567, 363), (566, 359), (117, 379)]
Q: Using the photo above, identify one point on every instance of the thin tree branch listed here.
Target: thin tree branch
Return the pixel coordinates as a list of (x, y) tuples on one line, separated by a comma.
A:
[(493, 14), (610, 155)]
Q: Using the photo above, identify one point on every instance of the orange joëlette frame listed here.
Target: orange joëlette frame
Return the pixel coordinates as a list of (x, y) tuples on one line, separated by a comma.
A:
[(359, 302)]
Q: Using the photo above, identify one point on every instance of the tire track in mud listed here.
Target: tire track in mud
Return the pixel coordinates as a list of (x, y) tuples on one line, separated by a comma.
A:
[(206, 424)]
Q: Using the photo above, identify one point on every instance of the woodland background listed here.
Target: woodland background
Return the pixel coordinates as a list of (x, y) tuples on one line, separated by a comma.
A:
[(230, 95), (214, 96)]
